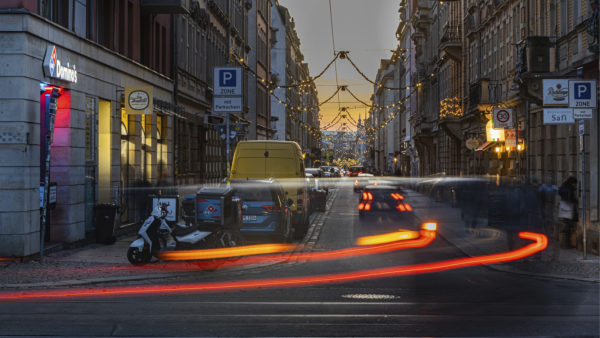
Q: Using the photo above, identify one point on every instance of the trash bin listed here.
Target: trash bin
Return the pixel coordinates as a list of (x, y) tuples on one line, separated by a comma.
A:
[(104, 219)]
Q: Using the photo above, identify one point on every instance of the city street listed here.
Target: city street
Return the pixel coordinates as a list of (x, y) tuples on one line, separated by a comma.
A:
[(471, 301)]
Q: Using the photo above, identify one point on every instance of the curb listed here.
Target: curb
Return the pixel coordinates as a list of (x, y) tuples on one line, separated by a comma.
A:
[(470, 252), (317, 220)]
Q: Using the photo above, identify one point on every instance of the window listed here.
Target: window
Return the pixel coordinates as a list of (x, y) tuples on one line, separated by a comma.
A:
[(56, 10), (105, 23)]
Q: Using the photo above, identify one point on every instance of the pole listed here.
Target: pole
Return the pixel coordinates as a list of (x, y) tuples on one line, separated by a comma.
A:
[(228, 142), (51, 112), (583, 196)]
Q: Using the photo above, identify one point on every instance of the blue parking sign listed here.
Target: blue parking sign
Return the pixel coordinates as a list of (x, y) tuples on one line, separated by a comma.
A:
[(227, 81), (227, 77), (583, 91), (582, 94)]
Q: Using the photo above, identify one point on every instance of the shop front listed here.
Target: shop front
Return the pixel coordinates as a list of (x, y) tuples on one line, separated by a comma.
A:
[(63, 137)]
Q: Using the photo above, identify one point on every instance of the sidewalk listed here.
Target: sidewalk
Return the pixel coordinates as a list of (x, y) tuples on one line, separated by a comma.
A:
[(553, 262), (92, 264)]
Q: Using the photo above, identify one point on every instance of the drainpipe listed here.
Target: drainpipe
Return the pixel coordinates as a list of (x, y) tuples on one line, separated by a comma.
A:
[(175, 76)]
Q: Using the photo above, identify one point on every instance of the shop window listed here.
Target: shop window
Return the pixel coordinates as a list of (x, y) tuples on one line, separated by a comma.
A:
[(104, 151), (161, 147)]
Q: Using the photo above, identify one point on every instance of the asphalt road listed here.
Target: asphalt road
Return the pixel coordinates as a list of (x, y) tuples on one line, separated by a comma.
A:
[(476, 301)]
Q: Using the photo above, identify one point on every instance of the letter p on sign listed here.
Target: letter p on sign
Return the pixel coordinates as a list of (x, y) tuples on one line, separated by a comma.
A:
[(227, 78), (583, 91)]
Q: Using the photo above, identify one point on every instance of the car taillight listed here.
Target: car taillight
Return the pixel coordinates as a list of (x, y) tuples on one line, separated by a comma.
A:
[(368, 206), (397, 196), (361, 206), (408, 207), (367, 196), (401, 207), (271, 208)]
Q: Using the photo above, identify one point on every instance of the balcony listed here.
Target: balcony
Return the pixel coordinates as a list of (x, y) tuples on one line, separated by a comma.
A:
[(164, 6), (451, 41), (484, 93)]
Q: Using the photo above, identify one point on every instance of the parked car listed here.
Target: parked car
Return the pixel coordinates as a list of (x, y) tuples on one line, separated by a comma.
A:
[(265, 210), (280, 160), (315, 172)]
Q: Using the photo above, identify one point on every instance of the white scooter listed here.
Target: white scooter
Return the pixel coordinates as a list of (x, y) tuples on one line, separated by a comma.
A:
[(156, 236)]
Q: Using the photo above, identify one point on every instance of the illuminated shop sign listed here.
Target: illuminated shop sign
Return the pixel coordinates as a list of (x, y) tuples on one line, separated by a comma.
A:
[(54, 68)]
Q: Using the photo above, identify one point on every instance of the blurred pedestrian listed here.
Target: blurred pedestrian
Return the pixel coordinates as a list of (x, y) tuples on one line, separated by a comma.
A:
[(567, 212)]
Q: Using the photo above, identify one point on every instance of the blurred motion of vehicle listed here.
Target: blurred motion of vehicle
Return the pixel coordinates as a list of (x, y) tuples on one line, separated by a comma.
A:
[(362, 180), (356, 170), (265, 210), (280, 160), (383, 198)]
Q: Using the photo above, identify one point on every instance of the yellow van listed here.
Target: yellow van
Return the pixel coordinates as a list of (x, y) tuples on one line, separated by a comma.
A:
[(281, 160)]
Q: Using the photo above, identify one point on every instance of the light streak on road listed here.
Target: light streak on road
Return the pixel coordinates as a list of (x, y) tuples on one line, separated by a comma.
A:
[(540, 243), (388, 238), (248, 250)]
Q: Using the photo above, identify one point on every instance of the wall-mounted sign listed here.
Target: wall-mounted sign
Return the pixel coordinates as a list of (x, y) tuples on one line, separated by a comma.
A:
[(55, 68), (138, 100), (503, 118), (558, 116), (582, 94), (556, 92)]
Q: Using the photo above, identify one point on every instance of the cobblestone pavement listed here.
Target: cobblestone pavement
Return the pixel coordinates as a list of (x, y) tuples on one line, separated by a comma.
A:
[(99, 263)]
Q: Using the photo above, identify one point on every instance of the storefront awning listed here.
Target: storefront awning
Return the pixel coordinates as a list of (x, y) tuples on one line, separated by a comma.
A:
[(485, 146)]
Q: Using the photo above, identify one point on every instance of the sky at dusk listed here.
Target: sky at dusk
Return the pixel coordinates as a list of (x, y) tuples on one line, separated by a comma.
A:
[(366, 28)]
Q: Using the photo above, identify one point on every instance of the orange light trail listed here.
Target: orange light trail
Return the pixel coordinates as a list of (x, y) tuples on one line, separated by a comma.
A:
[(387, 238), (248, 250), (540, 243)]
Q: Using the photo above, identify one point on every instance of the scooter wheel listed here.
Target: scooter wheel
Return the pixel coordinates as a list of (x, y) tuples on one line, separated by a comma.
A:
[(137, 257)]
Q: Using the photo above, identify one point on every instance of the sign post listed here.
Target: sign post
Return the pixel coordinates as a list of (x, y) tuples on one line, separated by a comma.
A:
[(227, 84), (583, 195)]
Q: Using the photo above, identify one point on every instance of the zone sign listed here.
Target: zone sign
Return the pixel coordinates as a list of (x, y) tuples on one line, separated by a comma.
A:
[(227, 81), (582, 94)]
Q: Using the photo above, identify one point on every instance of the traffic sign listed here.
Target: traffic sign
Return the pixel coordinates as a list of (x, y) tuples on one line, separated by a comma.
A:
[(503, 118), (582, 94), (227, 104), (558, 116), (581, 127), (227, 81), (579, 113)]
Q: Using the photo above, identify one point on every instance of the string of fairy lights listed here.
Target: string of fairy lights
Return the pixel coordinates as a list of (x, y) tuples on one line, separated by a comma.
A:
[(295, 111)]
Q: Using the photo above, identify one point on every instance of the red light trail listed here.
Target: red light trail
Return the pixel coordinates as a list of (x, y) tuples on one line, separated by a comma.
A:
[(540, 243)]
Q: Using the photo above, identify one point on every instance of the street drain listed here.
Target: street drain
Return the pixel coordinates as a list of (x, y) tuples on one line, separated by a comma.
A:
[(369, 296)]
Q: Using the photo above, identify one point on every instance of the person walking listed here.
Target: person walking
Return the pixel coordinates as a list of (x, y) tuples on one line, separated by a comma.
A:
[(567, 212)]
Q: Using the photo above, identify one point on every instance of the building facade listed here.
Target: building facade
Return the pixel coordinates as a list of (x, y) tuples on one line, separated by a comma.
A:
[(90, 56), (470, 58)]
